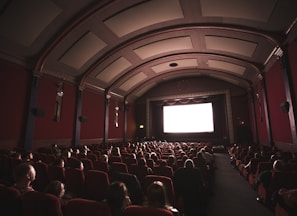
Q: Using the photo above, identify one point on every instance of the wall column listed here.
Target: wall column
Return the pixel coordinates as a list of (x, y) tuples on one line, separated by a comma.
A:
[(267, 113), (30, 116)]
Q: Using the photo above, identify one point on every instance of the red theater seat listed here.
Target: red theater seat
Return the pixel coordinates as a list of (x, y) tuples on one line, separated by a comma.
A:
[(9, 200), (84, 207), (75, 182), (119, 167), (36, 203), (97, 183), (146, 211)]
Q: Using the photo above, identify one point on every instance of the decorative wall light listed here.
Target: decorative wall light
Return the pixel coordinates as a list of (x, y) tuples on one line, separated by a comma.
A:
[(260, 106), (117, 108), (59, 99)]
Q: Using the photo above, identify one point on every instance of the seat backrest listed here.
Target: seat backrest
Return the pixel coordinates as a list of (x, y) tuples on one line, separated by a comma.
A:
[(135, 210), (100, 165), (56, 173), (9, 200), (167, 183), (36, 203), (97, 183), (85, 207), (75, 182), (163, 171), (119, 167)]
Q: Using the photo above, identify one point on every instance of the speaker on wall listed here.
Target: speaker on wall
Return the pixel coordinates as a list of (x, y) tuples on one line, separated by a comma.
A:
[(285, 106), (82, 118), (38, 112)]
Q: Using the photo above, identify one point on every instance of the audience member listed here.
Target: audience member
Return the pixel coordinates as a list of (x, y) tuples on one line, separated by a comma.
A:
[(24, 174), (189, 187), (287, 199), (117, 198), (265, 176), (157, 197), (57, 188)]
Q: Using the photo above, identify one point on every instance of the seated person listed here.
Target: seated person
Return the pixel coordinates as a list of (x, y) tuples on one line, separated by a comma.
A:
[(24, 174), (265, 176), (287, 199), (57, 188), (157, 198), (117, 198)]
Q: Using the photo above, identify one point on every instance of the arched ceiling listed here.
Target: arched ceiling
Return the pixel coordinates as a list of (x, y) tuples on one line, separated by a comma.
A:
[(126, 47)]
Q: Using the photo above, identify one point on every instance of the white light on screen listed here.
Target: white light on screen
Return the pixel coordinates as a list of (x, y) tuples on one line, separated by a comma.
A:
[(193, 118)]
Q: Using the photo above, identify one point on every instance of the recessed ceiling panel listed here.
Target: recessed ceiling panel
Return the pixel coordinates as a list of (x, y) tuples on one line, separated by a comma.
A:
[(163, 46), (126, 86), (232, 45), (237, 69), (114, 69), (88, 46), (238, 9), (23, 21), (173, 65), (142, 15)]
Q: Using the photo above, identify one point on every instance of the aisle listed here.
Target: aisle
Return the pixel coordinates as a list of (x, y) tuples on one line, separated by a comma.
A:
[(232, 194)]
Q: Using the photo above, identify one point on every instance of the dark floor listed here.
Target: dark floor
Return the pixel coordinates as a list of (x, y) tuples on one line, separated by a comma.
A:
[(232, 193)]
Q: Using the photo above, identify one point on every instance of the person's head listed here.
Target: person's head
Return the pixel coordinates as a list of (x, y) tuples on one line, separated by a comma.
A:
[(189, 163), (141, 162), (24, 174), (78, 164), (171, 160), (104, 158), (278, 165), (156, 195), (117, 194), (56, 188), (59, 162)]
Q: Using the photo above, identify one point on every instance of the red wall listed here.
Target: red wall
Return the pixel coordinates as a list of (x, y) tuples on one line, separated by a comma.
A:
[(131, 122), (15, 85), (280, 126), (93, 110)]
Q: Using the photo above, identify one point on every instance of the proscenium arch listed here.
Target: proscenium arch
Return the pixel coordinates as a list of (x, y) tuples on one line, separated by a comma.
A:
[(200, 94)]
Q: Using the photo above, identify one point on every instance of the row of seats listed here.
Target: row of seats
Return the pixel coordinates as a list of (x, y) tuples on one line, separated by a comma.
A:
[(263, 163), (37, 203)]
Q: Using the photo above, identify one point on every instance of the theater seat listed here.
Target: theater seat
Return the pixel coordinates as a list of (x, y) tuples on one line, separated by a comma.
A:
[(9, 200), (97, 183), (75, 182), (135, 210), (119, 167), (85, 207), (36, 203)]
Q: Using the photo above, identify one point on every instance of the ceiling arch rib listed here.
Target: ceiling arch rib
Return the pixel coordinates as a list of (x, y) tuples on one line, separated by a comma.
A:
[(139, 89), (216, 63), (138, 38)]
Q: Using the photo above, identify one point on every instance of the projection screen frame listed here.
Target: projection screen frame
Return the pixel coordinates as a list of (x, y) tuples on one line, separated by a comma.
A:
[(200, 94)]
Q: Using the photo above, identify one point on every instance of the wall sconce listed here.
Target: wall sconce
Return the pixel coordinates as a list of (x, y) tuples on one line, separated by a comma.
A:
[(141, 126), (117, 108)]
